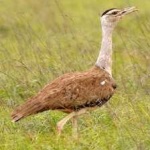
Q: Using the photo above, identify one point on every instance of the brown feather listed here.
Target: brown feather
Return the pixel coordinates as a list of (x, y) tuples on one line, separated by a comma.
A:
[(70, 92)]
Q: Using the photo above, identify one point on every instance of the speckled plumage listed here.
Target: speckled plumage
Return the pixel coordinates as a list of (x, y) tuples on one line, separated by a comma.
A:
[(70, 92)]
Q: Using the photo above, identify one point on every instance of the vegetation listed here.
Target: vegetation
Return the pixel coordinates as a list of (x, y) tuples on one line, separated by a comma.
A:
[(41, 40)]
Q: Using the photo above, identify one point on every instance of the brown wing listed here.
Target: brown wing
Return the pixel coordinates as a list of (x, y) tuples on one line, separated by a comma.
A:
[(74, 91), (70, 92)]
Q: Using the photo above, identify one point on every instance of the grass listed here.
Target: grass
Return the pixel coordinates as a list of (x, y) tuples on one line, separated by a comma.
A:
[(41, 40)]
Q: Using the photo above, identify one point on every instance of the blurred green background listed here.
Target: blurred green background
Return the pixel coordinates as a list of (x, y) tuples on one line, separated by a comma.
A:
[(41, 40)]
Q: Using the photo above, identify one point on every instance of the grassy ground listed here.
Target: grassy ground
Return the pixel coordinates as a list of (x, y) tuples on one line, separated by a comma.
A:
[(40, 40)]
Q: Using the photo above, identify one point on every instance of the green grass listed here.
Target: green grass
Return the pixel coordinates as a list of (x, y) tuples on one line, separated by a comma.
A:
[(41, 40)]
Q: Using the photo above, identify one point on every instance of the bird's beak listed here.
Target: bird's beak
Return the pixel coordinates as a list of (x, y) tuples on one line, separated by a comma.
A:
[(128, 10)]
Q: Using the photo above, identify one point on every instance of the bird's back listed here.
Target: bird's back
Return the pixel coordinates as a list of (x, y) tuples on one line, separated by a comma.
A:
[(70, 92)]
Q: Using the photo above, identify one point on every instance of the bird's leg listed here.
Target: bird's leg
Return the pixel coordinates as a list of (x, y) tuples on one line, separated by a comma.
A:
[(62, 122), (80, 112), (75, 122), (75, 127)]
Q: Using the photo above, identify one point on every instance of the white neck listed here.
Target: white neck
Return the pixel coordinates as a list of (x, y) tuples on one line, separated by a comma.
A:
[(104, 60)]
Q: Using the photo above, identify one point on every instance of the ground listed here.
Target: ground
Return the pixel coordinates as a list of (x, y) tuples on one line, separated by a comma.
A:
[(41, 40)]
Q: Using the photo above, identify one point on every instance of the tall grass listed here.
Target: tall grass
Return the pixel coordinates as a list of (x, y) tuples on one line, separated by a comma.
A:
[(41, 40)]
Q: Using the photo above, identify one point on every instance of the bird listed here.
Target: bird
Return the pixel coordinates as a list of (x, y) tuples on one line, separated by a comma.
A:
[(79, 92)]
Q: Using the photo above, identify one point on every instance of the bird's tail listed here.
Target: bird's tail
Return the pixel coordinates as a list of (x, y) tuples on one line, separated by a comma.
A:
[(30, 107)]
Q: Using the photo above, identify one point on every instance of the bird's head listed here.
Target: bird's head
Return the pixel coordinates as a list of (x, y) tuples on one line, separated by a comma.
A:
[(111, 17)]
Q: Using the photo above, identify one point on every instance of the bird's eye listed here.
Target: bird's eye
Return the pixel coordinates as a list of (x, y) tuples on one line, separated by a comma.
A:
[(114, 13)]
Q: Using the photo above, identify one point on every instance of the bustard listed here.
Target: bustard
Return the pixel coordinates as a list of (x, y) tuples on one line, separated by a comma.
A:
[(75, 93)]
